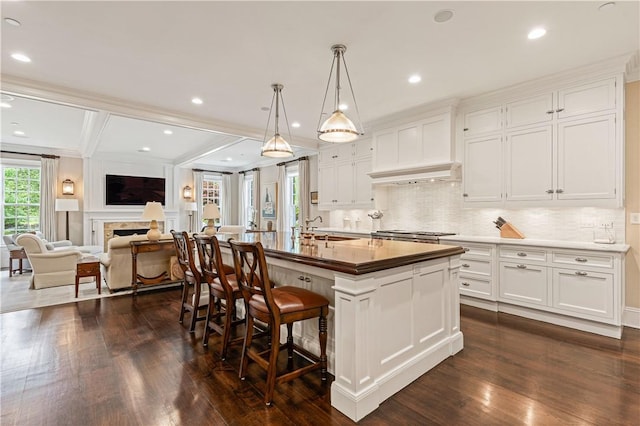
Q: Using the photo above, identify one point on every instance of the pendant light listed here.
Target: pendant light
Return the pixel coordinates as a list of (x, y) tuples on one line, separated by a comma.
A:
[(277, 146), (338, 127)]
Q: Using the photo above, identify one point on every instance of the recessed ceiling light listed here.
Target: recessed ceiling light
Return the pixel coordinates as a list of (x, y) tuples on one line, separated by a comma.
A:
[(443, 16), (536, 33), (12, 21), (168, 132), (5, 105), (295, 124), (144, 149), (21, 57), (265, 108), (343, 107), (14, 123), (196, 101), (18, 132), (415, 79), (607, 6)]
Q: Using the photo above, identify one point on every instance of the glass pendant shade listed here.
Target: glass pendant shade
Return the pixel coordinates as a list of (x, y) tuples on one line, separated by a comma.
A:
[(338, 128), (277, 146)]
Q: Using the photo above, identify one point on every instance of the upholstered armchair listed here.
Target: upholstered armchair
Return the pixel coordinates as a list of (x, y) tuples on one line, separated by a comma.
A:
[(50, 268)]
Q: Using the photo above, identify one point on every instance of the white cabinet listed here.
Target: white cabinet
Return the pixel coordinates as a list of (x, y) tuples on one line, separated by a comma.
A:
[(483, 169), (414, 145), (343, 181), (561, 148), (524, 282), (477, 275), (587, 294)]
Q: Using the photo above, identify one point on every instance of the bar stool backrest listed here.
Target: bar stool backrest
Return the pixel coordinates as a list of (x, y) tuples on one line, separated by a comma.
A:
[(210, 258), (251, 272)]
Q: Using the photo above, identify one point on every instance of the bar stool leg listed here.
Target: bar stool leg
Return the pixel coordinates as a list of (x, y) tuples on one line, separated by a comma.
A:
[(322, 326)]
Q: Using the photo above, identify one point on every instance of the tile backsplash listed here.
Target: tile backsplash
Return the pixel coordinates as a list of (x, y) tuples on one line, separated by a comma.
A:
[(438, 206)]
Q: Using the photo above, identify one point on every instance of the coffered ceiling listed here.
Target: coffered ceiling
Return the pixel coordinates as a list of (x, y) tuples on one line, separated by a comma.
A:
[(108, 78)]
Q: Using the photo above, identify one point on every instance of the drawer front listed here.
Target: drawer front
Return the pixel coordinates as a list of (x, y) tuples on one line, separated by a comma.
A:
[(88, 268), (524, 283), (583, 259), (474, 266), (524, 254), (586, 294), (472, 249), (476, 287)]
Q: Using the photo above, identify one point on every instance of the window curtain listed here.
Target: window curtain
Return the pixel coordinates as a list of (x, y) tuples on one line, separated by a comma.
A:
[(226, 218), (48, 192), (197, 183), (256, 197), (282, 177), (243, 203), (305, 196)]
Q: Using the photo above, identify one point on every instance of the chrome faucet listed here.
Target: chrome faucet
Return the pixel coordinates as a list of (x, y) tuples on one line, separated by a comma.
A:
[(307, 221)]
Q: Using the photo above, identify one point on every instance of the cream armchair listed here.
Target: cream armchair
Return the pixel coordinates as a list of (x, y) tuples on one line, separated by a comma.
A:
[(50, 268), (116, 262)]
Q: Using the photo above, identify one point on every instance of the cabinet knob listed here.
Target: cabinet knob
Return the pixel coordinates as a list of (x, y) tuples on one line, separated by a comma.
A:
[(301, 277), (581, 274), (560, 110), (465, 129), (549, 191), (521, 266), (466, 284), (522, 254), (465, 195), (466, 249), (581, 259), (550, 112), (559, 191), (307, 280), (465, 265)]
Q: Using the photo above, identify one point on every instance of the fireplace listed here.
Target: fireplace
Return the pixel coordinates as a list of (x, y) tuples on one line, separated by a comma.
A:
[(112, 229), (125, 232)]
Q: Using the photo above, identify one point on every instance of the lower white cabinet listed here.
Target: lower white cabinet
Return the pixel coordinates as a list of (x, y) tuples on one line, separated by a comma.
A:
[(524, 283), (588, 294), (477, 270)]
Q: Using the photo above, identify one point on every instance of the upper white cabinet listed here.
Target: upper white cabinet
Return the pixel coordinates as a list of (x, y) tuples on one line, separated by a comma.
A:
[(414, 148), (343, 180), (560, 148)]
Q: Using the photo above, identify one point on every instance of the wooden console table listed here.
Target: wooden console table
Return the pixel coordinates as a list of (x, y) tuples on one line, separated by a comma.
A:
[(18, 255), (146, 246), (88, 267)]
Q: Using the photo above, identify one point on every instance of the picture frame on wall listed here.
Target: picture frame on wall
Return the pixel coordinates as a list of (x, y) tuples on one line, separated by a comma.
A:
[(269, 200), (314, 197)]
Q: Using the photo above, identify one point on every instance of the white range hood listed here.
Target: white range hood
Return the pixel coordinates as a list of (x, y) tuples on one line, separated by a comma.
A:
[(448, 171)]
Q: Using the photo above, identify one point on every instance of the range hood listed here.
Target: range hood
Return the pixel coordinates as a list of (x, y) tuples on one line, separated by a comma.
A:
[(446, 171)]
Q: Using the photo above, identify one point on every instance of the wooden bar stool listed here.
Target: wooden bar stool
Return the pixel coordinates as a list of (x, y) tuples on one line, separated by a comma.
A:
[(276, 306), (194, 301), (223, 286)]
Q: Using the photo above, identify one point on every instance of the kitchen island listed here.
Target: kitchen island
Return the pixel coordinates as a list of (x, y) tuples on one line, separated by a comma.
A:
[(394, 310)]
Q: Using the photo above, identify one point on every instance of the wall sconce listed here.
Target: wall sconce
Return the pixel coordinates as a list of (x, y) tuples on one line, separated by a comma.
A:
[(67, 187), (187, 192)]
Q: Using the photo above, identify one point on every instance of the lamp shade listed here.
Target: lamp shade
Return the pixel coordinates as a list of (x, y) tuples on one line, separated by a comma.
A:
[(67, 187), (66, 205), (211, 211), (153, 211), (338, 128), (277, 147), (191, 207)]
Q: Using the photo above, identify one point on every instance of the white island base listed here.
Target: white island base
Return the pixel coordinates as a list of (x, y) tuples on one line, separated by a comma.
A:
[(391, 327)]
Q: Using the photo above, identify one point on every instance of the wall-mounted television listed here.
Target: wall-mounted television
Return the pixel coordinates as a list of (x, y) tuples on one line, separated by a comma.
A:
[(133, 190)]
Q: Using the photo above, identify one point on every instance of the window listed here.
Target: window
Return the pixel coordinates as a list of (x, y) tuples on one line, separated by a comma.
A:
[(249, 216), (292, 198), (21, 199), (212, 193)]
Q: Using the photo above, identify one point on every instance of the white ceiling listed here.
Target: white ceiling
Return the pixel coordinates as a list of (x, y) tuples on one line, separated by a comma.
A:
[(133, 67)]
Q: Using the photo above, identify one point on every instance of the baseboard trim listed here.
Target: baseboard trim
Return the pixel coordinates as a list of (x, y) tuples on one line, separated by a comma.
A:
[(631, 317)]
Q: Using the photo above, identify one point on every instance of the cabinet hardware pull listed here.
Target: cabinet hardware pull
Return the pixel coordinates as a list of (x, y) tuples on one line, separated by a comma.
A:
[(465, 265), (580, 273), (560, 110), (550, 112), (465, 195), (307, 280), (549, 191), (521, 266), (465, 129), (522, 254), (559, 191), (581, 259), (301, 278), (466, 284), (466, 249)]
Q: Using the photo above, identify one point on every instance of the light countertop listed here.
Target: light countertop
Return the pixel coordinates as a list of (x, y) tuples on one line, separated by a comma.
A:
[(580, 245)]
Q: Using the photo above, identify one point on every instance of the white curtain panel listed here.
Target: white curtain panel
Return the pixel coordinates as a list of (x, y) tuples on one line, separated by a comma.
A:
[(282, 176), (242, 203), (197, 183), (305, 195), (48, 191), (256, 196), (226, 200)]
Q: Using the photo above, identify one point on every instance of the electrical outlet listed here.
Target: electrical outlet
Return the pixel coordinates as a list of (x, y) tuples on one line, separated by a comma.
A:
[(587, 224), (606, 225), (634, 218)]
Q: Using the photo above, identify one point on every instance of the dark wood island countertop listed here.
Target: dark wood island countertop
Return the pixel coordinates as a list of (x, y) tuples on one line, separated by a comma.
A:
[(351, 256)]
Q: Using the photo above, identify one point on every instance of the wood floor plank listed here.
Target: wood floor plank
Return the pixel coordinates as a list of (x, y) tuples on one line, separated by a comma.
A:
[(127, 361)]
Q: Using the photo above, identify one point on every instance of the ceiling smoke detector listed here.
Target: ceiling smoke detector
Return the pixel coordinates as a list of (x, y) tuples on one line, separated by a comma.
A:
[(443, 16)]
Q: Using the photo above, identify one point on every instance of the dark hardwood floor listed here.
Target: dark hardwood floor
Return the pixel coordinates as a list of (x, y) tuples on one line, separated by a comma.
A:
[(127, 361)]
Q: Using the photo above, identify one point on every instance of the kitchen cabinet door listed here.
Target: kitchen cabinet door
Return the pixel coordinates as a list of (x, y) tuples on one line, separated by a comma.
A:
[(327, 187), (527, 284), (587, 159), (343, 180), (529, 164), (593, 97), (530, 111), (483, 170), (482, 121), (363, 192), (385, 151), (586, 294)]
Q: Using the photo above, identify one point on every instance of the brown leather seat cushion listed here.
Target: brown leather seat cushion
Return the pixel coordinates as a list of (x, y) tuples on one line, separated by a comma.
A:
[(231, 279), (290, 299)]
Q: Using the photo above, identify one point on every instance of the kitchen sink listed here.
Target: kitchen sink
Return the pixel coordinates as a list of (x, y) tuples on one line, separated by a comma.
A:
[(323, 237)]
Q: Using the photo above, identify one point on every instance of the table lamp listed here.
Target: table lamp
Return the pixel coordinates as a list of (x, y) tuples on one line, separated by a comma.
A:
[(66, 205), (153, 212), (211, 212), (190, 208)]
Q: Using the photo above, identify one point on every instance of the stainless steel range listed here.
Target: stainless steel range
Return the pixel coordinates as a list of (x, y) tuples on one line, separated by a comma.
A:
[(415, 236)]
